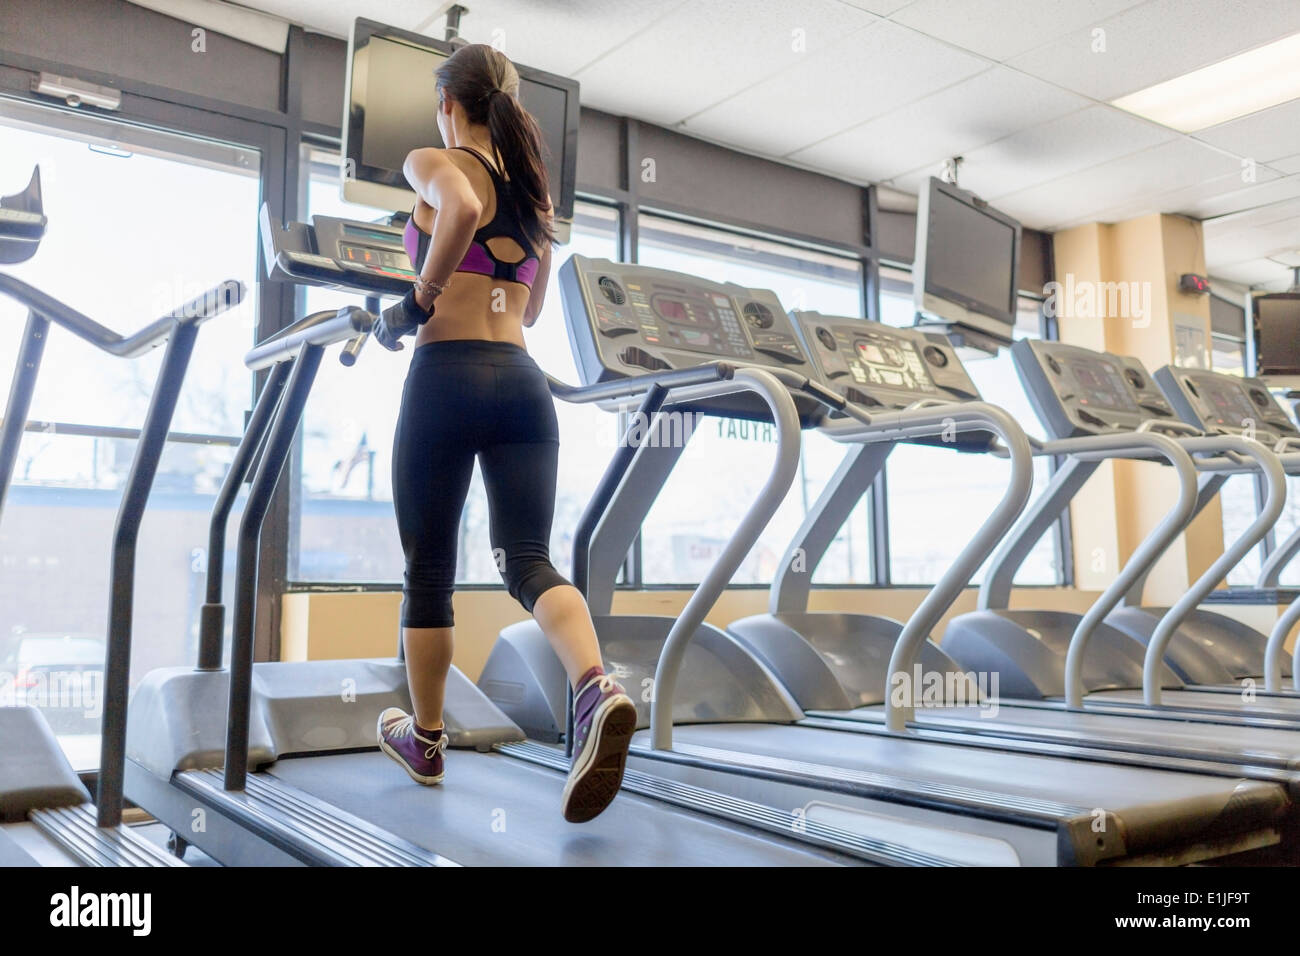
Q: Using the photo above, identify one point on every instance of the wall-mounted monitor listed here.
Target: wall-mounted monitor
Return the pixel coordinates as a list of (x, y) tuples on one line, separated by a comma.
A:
[(966, 265), (390, 107), (1276, 326)]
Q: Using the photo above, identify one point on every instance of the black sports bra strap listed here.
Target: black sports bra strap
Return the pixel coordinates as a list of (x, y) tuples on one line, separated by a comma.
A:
[(482, 159)]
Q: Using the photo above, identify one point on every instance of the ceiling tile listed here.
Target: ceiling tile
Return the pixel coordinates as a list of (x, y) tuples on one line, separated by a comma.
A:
[(1260, 274), (1057, 148), (560, 38), (971, 113), (881, 8), (1184, 200), (1256, 203), (1129, 181), (875, 70), (706, 52), (1157, 41), (1000, 29), (1264, 136)]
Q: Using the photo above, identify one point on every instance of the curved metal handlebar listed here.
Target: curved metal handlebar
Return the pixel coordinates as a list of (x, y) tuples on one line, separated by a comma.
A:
[(1172, 426), (320, 328), (216, 300), (1146, 553), (636, 385)]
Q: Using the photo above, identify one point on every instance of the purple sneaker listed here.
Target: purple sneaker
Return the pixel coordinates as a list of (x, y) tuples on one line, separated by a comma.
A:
[(419, 752), (604, 719)]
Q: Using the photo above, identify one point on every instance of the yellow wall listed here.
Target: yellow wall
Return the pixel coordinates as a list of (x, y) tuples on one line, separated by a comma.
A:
[(330, 625), (1125, 500)]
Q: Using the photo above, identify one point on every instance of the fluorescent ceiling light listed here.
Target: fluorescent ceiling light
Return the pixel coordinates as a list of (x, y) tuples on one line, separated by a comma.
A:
[(1242, 84)]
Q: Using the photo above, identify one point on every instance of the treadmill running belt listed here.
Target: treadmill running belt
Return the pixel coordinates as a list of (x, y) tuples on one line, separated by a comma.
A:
[(495, 810)]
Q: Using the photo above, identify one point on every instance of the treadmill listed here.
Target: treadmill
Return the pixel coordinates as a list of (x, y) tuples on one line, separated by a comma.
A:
[(717, 714), (269, 763), (837, 665), (46, 814), (1213, 651), (1087, 396)]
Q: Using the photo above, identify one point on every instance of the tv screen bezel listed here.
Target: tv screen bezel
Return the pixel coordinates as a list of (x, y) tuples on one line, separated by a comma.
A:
[(1260, 370), (931, 289), (363, 30)]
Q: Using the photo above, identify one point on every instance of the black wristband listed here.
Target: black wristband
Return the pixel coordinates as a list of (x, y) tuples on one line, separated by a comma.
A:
[(408, 302)]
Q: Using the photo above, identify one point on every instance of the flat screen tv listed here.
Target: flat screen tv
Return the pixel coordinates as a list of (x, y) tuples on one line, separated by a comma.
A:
[(966, 264), (390, 107), (1276, 322)]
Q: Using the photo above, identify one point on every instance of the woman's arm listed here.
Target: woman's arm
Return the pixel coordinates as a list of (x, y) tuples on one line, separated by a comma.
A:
[(538, 294), (438, 181)]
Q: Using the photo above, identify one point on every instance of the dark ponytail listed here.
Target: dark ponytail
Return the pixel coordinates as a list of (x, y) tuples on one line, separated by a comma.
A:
[(486, 84)]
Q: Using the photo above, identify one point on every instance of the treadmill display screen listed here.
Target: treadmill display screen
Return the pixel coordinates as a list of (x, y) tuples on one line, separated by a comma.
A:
[(685, 311), (886, 360), (1101, 386), (1229, 404)]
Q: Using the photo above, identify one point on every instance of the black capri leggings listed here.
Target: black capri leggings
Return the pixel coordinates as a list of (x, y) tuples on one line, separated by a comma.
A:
[(465, 399)]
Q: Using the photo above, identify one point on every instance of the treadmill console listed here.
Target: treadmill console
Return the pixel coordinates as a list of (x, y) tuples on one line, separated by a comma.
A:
[(1077, 391), (626, 319), (1220, 404), (22, 222), (879, 366), (338, 253)]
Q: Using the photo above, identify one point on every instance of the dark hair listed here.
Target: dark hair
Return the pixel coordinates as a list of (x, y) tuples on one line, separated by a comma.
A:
[(486, 84)]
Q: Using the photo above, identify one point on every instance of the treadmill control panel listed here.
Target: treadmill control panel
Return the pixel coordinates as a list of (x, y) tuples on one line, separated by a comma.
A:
[(1078, 391), (22, 222), (338, 253), (625, 319), (879, 366), (1221, 404), (875, 365)]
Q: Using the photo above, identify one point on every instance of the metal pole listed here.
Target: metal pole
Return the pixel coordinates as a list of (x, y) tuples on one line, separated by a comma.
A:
[(922, 623), (789, 438), (212, 616), (20, 397), (1146, 553), (117, 663), (595, 510), (1274, 649), (279, 442), (995, 592)]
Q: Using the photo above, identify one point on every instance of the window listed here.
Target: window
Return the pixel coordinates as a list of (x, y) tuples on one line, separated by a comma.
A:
[(346, 530), (178, 219), (931, 515), (685, 530)]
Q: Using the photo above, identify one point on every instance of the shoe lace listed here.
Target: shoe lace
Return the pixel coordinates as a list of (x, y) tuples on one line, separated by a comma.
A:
[(605, 682), (405, 727)]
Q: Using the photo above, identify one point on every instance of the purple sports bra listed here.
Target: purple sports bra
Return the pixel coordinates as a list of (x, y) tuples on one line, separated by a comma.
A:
[(479, 259)]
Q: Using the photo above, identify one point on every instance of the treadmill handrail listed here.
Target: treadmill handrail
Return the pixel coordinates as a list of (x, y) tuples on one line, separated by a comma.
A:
[(636, 385), (1146, 553), (1275, 477), (320, 328), (925, 620), (789, 438), (922, 419), (223, 296), (1277, 639), (995, 592)]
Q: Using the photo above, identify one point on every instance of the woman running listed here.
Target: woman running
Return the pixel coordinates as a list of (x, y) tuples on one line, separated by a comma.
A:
[(480, 239)]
